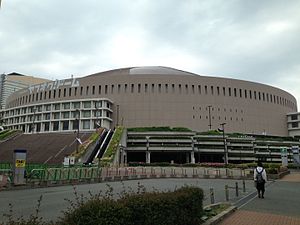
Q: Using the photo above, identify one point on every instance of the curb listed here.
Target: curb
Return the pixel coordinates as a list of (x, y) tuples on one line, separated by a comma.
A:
[(221, 216)]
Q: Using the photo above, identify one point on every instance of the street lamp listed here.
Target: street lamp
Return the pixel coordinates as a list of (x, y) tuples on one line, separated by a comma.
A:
[(77, 119), (97, 115), (33, 120), (224, 141), (117, 115), (209, 116)]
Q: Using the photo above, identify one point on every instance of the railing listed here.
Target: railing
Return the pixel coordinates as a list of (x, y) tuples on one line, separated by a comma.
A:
[(74, 175)]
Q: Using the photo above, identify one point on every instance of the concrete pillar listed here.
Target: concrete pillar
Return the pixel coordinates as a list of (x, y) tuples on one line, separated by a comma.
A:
[(193, 157), (187, 157), (148, 157)]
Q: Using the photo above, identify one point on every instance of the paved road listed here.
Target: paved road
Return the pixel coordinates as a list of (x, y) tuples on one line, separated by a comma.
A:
[(281, 205), (24, 201)]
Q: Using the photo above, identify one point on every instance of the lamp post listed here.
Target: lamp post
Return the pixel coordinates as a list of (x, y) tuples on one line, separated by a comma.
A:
[(224, 141), (77, 135), (97, 115), (33, 120), (117, 115), (209, 117)]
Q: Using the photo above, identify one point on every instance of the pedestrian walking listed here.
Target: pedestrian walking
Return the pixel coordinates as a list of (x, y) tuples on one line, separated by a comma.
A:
[(260, 178)]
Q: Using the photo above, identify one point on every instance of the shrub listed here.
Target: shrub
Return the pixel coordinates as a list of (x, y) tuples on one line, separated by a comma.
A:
[(180, 207)]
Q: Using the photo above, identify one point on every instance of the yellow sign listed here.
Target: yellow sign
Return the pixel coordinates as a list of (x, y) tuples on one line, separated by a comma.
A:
[(20, 163)]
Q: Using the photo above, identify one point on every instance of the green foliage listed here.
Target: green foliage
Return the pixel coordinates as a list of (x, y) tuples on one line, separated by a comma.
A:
[(180, 207), (211, 132), (85, 145), (6, 133), (147, 129), (113, 147)]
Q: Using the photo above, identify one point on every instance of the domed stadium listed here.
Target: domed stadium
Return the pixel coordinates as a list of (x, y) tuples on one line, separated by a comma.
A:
[(146, 97)]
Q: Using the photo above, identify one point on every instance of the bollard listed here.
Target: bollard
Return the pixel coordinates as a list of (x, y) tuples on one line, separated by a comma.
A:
[(226, 193), (212, 196), (244, 186), (236, 189)]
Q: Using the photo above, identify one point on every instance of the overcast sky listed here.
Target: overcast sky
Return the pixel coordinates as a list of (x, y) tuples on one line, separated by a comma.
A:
[(251, 40)]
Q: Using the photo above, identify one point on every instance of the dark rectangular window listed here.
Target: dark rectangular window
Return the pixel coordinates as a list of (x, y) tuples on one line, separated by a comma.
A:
[(229, 91), (54, 93), (112, 88), (75, 91), (294, 124), (193, 89), (119, 88), (294, 117), (49, 94), (132, 88), (254, 94), (87, 90), (212, 90), (139, 88), (166, 86), (70, 91), (245, 93), (250, 94), (152, 88), (218, 90), (146, 88), (205, 89), (173, 88), (259, 96), (65, 92), (199, 89), (234, 90), (93, 90), (59, 92), (186, 89), (81, 90), (224, 91), (99, 89), (105, 89), (240, 93), (125, 88)]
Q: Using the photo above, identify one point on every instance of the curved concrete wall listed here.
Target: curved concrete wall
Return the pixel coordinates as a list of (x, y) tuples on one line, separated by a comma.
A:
[(158, 96)]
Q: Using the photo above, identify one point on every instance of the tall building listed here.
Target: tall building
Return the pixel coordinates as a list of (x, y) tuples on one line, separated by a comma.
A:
[(12, 82)]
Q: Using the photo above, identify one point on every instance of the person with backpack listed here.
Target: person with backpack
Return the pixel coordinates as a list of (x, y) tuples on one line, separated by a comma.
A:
[(260, 178)]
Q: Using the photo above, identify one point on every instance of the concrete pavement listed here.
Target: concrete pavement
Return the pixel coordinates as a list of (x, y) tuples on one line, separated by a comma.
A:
[(25, 201), (281, 205)]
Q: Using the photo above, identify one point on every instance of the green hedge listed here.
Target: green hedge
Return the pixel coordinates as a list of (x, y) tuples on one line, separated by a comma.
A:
[(109, 154), (147, 129), (4, 134), (180, 207)]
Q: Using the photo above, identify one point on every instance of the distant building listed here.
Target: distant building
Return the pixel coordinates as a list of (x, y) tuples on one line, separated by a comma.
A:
[(10, 83), (293, 121), (150, 96)]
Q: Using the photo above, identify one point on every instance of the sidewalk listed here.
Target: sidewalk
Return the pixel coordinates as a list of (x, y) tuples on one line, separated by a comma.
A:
[(281, 205)]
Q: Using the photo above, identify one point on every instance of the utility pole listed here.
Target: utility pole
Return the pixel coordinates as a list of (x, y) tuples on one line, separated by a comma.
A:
[(77, 135), (224, 141)]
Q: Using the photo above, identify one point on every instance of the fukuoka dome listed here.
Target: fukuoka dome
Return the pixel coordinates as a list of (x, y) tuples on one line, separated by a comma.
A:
[(151, 97)]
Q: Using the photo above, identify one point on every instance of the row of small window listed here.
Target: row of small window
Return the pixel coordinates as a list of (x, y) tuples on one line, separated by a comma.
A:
[(58, 106), (218, 109), (56, 126), (62, 115), (225, 118), (160, 88), (294, 117)]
